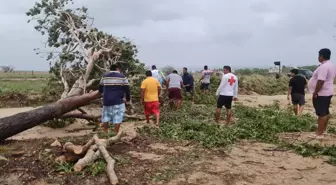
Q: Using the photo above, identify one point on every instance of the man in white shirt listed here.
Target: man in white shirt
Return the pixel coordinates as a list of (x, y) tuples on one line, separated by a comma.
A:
[(226, 92), (174, 85), (158, 75), (205, 80), (161, 78)]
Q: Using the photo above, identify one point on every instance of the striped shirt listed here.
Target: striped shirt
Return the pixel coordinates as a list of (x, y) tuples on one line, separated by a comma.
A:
[(114, 86)]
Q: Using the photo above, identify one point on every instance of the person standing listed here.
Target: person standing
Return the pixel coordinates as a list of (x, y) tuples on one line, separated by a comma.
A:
[(150, 92), (296, 91), (174, 85), (161, 78), (226, 92), (321, 85), (158, 75), (188, 82), (205, 80), (114, 86)]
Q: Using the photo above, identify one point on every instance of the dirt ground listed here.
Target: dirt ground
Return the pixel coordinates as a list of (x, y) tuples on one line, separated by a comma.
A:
[(147, 161)]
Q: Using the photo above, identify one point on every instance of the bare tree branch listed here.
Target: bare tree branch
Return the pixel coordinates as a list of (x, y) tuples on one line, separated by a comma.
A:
[(92, 81), (65, 83)]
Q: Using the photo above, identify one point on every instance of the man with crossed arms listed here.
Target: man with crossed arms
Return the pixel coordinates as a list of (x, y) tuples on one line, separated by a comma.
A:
[(226, 92)]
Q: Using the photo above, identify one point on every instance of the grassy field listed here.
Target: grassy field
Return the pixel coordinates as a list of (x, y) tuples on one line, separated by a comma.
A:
[(24, 74), (23, 81), (29, 86)]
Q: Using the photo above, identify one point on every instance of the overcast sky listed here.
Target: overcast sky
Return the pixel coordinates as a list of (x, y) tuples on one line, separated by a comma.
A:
[(191, 33)]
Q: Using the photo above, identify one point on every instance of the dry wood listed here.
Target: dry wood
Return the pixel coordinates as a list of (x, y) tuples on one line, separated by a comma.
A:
[(110, 161), (86, 147), (67, 158), (93, 153), (72, 148), (76, 149), (90, 157)]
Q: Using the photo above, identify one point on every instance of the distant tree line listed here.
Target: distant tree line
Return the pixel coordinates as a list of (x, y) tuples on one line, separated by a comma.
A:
[(264, 71), (247, 71), (7, 69)]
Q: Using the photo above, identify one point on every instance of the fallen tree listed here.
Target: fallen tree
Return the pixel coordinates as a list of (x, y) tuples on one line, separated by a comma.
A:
[(11, 125), (79, 54)]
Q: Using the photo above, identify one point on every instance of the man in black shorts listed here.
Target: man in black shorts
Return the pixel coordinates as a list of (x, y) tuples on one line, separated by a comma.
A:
[(226, 92), (321, 85), (296, 91), (205, 80), (188, 82)]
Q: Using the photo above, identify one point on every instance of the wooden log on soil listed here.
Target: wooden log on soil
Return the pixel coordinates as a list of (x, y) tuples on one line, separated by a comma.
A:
[(92, 155), (68, 158), (72, 148), (11, 125), (77, 149), (109, 160)]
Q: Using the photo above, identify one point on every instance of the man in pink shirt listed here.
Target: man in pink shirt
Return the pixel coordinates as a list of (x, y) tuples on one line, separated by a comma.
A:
[(321, 85)]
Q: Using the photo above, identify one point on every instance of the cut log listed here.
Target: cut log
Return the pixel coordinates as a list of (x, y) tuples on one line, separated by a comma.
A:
[(110, 161), (76, 149), (11, 125), (92, 155), (67, 158), (88, 159), (70, 147), (86, 147)]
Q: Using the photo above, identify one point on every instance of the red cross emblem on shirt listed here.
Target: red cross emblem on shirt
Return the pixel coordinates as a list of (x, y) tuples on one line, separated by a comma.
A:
[(232, 81)]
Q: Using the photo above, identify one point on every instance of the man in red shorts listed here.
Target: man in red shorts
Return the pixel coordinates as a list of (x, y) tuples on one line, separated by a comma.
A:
[(150, 92), (174, 85)]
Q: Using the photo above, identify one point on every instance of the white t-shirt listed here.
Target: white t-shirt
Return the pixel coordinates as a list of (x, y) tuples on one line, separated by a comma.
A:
[(206, 76), (228, 85), (174, 80), (158, 75)]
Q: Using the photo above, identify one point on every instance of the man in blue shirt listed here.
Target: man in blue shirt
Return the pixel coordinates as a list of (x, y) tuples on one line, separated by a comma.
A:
[(114, 86), (188, 82)]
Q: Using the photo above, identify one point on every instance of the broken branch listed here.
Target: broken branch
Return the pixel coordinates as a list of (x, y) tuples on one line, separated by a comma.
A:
[(92, 156), (110, 161)]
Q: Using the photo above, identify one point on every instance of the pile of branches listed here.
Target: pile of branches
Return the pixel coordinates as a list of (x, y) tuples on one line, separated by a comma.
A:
[(84, 155)]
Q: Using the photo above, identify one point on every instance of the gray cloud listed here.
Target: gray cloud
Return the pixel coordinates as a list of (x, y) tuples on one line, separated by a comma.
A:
[(191, 33)]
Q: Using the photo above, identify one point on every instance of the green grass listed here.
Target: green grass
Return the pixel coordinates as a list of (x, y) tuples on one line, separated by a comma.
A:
[(24, 74), (263, 125), (34, 86)]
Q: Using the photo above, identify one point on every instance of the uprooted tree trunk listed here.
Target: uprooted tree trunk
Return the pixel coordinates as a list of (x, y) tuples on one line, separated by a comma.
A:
[(11, 125)]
